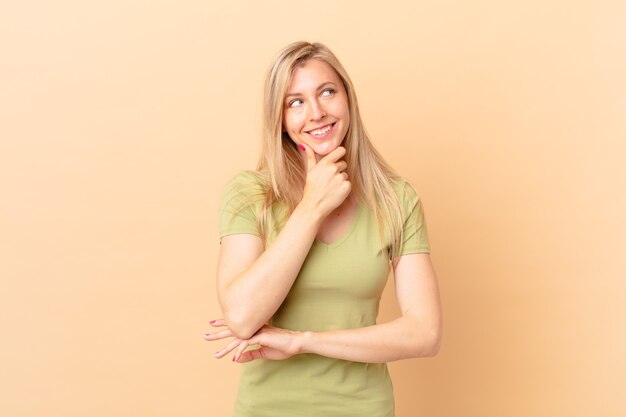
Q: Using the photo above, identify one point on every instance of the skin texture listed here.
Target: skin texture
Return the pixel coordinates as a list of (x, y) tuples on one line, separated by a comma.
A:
[(246, 272)]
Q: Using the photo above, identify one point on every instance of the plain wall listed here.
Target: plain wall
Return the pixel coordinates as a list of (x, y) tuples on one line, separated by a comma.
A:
[(121, 121)]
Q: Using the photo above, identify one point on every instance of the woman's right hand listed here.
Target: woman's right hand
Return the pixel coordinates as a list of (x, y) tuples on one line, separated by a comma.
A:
[(326, 186)]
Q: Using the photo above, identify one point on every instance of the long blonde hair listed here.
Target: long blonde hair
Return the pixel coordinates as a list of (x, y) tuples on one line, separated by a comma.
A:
[(280, 166)]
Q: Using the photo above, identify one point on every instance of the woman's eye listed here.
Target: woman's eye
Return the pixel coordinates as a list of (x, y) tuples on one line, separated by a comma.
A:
[(330, 90), (291, 104)]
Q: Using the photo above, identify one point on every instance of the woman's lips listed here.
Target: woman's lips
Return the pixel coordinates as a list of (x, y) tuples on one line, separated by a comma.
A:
[(332, 128)]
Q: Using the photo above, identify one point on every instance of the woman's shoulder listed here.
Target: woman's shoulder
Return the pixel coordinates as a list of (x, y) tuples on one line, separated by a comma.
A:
[(246, 185), (403, 188)]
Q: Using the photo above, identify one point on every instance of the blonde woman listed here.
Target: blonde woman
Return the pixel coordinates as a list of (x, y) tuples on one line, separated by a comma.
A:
[(307, 241)]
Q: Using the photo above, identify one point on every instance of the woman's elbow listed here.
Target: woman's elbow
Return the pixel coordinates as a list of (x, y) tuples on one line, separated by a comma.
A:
[(428, 345), (434, 343), (235, 319), (239, 327)]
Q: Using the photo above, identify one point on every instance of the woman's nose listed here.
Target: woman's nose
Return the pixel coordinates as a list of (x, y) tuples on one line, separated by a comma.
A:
[(317, 111)]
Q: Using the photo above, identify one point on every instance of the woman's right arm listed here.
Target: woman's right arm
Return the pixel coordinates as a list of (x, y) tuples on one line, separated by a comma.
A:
[(253, 283)]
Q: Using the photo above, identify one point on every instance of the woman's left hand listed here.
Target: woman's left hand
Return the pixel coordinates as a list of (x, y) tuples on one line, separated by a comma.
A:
[(276, 343)]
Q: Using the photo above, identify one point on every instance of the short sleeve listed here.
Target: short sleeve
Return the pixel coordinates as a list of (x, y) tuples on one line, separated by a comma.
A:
[(241, 199), (415, 232)]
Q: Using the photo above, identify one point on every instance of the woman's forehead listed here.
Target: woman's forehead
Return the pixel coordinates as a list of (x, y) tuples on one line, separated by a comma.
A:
[(310, 75)]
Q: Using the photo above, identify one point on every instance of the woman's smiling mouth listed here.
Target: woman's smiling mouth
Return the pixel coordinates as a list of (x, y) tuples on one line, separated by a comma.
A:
[(322, 132)]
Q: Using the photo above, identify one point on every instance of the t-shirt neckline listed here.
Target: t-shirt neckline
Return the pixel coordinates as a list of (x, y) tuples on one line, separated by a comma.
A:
[(346, 234)]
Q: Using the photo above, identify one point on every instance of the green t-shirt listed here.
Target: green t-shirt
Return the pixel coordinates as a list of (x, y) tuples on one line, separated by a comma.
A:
[(338, 287)]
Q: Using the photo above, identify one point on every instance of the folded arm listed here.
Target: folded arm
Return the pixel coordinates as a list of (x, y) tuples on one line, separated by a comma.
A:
[(253, 283), (416, 334)]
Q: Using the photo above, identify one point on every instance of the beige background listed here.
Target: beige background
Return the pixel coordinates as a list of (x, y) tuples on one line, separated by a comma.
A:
[(122, 121)]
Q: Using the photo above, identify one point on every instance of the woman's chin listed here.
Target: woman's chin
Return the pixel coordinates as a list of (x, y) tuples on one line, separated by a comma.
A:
[(325, 148)]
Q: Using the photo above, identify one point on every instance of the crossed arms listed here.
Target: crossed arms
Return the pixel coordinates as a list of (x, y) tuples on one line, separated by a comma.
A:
[(263, 279)]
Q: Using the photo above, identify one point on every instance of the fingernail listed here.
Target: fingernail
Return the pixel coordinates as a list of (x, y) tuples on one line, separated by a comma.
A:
[(233, 359), (207, 334), (212, 321), (302, 147)]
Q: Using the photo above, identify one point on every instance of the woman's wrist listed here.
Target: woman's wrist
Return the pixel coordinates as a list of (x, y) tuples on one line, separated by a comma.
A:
[(305, 342), (309, 212)]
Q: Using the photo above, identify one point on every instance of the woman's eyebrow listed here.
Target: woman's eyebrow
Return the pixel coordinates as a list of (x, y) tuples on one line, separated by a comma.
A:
[(318, 88)]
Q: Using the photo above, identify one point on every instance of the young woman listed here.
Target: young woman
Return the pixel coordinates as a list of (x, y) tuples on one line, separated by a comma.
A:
[(307, 242)]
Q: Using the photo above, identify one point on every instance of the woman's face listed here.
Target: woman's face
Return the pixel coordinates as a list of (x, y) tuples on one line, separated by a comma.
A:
[(315, 109)]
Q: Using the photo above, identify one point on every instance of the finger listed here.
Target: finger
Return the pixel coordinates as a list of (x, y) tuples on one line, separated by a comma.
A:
[(310, 156), (217, 323), (220, 353), (341, 165), (239, 351), (345, 176), (336, 154), (218, 335), (251, 355)]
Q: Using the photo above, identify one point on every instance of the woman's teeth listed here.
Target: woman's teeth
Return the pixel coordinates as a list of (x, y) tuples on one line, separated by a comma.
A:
[(321, 132)]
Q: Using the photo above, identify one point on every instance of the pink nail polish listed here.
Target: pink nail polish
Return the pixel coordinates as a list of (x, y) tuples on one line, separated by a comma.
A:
[(233, 359), (212, 321)]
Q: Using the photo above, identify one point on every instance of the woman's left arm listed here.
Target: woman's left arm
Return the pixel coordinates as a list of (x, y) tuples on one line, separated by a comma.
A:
[(416, 334)]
